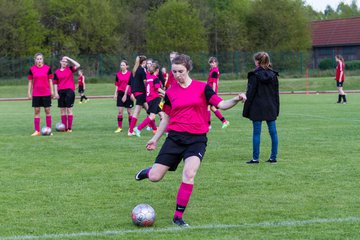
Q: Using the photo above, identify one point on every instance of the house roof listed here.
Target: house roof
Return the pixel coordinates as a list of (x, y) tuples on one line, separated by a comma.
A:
[(336, 32)]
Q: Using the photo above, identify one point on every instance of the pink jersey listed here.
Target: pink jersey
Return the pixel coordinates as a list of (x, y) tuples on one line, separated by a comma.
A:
[(40, 77), (65, 78), (81, 80), (188, 107), (214, 76), (122, 80), (340, 68), (152, 86), (171, 80)]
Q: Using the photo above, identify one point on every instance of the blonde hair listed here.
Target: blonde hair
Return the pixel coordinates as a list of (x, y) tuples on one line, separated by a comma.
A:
[(38, 54), (340, 58), (213, 59), (138, 61), (263, 59)]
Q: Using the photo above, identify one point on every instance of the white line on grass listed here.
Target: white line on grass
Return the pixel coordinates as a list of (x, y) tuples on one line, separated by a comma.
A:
[(323, 117), (175, 229)]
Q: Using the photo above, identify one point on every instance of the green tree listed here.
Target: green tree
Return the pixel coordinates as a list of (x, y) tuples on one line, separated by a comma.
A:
[(21, 33), (97, 28), (60, 20), (175, 25), (228, 28), (344, 11), (79, 26), (278, 26)]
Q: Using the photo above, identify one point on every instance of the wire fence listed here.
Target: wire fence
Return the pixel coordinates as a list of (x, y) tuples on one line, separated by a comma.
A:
[(235, 63)]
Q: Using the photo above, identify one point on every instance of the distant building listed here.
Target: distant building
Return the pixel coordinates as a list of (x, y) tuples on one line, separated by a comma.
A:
[(338, 36)]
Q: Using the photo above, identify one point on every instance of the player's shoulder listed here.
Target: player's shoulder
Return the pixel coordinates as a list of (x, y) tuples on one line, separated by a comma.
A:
[(199, 83)]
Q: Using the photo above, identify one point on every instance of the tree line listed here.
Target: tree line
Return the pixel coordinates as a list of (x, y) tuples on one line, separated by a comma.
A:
[(92, 27)]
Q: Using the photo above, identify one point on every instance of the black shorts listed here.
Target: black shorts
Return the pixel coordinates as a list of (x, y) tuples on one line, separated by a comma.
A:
[(339, 84), (127, 104), (41, 101), (181, 145), (140, 99), (66, 98), (81, 89), (154, 106)]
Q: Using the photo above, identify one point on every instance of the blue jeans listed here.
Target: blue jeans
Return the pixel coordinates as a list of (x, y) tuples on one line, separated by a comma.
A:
[(256, 139)]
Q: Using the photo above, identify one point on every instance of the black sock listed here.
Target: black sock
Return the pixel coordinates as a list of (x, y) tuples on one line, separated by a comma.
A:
[(339, 99), (344, 98)]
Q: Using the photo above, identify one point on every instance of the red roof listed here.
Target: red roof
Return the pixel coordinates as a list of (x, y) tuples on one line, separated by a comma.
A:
[(336, 32)]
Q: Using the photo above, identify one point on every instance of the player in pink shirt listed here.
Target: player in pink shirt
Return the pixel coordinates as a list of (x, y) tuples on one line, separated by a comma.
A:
[(65, 90), (340, 78), (186, 119), (123, 92), (213, 82), (138, 90), (165, 75), (82, 87), (171, 80), (40, 91), (153, 87)]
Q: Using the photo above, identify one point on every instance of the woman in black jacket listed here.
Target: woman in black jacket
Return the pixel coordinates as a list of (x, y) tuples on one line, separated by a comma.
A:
[(262, 104)]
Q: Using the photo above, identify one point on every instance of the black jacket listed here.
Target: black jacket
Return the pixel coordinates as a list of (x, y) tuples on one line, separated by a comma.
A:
[(262, 94)]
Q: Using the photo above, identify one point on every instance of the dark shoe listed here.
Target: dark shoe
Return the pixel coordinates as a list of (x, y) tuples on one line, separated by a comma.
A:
[(338, 102), (253, 162), (180, 222), (273, 161), (141, 174)]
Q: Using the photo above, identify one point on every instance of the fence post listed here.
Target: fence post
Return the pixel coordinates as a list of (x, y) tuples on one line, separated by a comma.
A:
[(307, 81)]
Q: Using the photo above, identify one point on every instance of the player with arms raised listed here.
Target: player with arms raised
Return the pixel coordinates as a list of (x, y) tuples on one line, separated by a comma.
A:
[(65, 90)]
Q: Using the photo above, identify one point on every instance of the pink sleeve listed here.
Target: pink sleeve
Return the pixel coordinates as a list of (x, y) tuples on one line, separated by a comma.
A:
[(167, 109), (215, 100)]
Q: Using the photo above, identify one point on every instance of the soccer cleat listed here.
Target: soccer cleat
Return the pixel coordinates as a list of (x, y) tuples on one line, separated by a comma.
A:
[(131, 134), (225, 124), (87, 100), (141, 175), (252, 161), (148, 129), (118, 130), (180, 222), (344, 102), (35, 134), (272, 161), (69, 130), (80, 102), (137, 132)]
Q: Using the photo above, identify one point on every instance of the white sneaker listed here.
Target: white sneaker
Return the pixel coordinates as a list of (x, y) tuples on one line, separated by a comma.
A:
[(137, 132)]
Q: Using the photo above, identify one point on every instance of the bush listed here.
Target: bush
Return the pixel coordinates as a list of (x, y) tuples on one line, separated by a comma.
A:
[(326, 64), (352, 65)]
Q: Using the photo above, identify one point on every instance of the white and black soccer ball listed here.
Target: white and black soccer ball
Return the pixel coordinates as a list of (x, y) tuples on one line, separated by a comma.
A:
[(46, 131), (60, 127), (143, 215)]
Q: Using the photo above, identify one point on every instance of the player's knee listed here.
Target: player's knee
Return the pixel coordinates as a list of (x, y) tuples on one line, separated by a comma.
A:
[(155, 176), (189, 175)]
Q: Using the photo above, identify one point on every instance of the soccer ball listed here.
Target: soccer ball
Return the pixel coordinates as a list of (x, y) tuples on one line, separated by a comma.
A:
[(60, 127), (143, 215), (46, 131)]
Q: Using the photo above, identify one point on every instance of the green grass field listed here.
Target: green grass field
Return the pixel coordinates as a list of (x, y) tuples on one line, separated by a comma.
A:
[(81, 185)]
